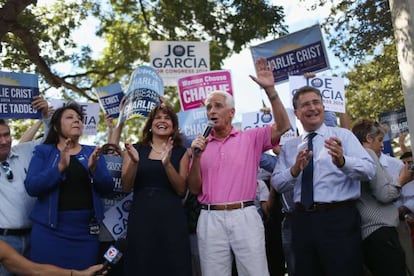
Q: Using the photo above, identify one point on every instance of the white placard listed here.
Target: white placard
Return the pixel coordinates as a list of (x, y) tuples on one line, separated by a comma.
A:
[(332, 90), (260, 119), (90, 115), (176, 59), (116, 218)]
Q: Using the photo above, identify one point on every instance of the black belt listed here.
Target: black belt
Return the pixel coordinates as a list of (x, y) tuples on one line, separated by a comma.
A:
[(14, 232), (317, 206), (228, 206)]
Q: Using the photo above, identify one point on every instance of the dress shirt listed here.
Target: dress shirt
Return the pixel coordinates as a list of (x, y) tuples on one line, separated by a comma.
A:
[(15, 203), (391, 164), (407, 196), (393, 167), (330, 182)]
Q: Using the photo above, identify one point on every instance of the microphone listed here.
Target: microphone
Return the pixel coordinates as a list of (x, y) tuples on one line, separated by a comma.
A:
[(113, 255), (207, 130)]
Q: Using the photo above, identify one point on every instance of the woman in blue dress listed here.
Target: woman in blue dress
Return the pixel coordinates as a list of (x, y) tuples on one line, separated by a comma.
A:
[(66, 177), (156, 169)]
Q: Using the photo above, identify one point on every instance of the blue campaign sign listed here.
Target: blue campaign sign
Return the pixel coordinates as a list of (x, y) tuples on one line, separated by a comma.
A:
[(294, 54), (141, 102), (396, 121), (192, 124), (16, 94), (116, 204), (143, 93), (114, 166), (146, 77), (110, 97)]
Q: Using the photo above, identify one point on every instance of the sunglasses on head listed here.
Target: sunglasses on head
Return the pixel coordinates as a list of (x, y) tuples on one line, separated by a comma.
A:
[(6, 167)]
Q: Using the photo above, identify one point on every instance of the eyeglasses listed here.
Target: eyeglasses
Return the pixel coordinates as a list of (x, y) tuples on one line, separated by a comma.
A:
[(307, 105), (6, 167), (110, 151)]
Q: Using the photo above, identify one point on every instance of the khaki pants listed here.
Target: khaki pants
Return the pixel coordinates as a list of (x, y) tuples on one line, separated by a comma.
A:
[(222, 233)]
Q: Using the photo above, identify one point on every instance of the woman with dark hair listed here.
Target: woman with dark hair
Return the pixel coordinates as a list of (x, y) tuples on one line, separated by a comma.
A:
[(156, 169), (66, 177)]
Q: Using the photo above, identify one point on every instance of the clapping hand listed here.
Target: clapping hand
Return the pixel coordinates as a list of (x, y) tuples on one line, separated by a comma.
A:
[(93, 159), (334, 146), (65, 155), (132, 152), (166, 153), (302, 160)]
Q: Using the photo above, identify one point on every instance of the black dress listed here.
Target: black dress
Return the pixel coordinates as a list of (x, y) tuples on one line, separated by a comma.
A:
[(158, 239)]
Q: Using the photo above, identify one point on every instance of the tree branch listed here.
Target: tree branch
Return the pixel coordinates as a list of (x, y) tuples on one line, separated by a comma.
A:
[(9, 13), (8, 23), (144, 15), (33, 54)]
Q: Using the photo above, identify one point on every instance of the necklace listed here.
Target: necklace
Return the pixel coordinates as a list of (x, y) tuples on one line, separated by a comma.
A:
[(156, 151)]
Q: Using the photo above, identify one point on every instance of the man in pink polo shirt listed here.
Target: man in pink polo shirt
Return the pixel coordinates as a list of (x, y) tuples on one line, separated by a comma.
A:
[(223, 175)]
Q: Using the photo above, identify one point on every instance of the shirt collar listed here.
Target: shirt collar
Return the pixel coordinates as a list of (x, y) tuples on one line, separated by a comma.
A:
[(383, 160), (322, 130), (12, 154), (233, 132)]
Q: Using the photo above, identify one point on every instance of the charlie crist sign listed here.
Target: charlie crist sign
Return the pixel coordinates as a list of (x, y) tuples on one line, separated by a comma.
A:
[(294, 54), (16, 94)]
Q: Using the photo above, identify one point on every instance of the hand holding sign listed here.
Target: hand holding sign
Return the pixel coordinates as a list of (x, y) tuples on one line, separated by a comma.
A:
[(17, 91), (39, 103)]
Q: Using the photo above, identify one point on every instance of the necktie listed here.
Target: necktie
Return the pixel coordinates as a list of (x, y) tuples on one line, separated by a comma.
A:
[(307, 177)]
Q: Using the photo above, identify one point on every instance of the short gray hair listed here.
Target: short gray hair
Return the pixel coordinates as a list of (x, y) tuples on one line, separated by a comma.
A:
[(364, 127), (228, 98)]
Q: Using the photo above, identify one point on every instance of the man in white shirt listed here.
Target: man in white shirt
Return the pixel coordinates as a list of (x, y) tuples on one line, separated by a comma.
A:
[(15, 203)]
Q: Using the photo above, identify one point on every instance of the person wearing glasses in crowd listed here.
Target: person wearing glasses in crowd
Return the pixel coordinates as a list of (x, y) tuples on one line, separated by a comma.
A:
[(326, 225), (112, 150), (67, 178), (156, 169), (114, 158), (15, 203)]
